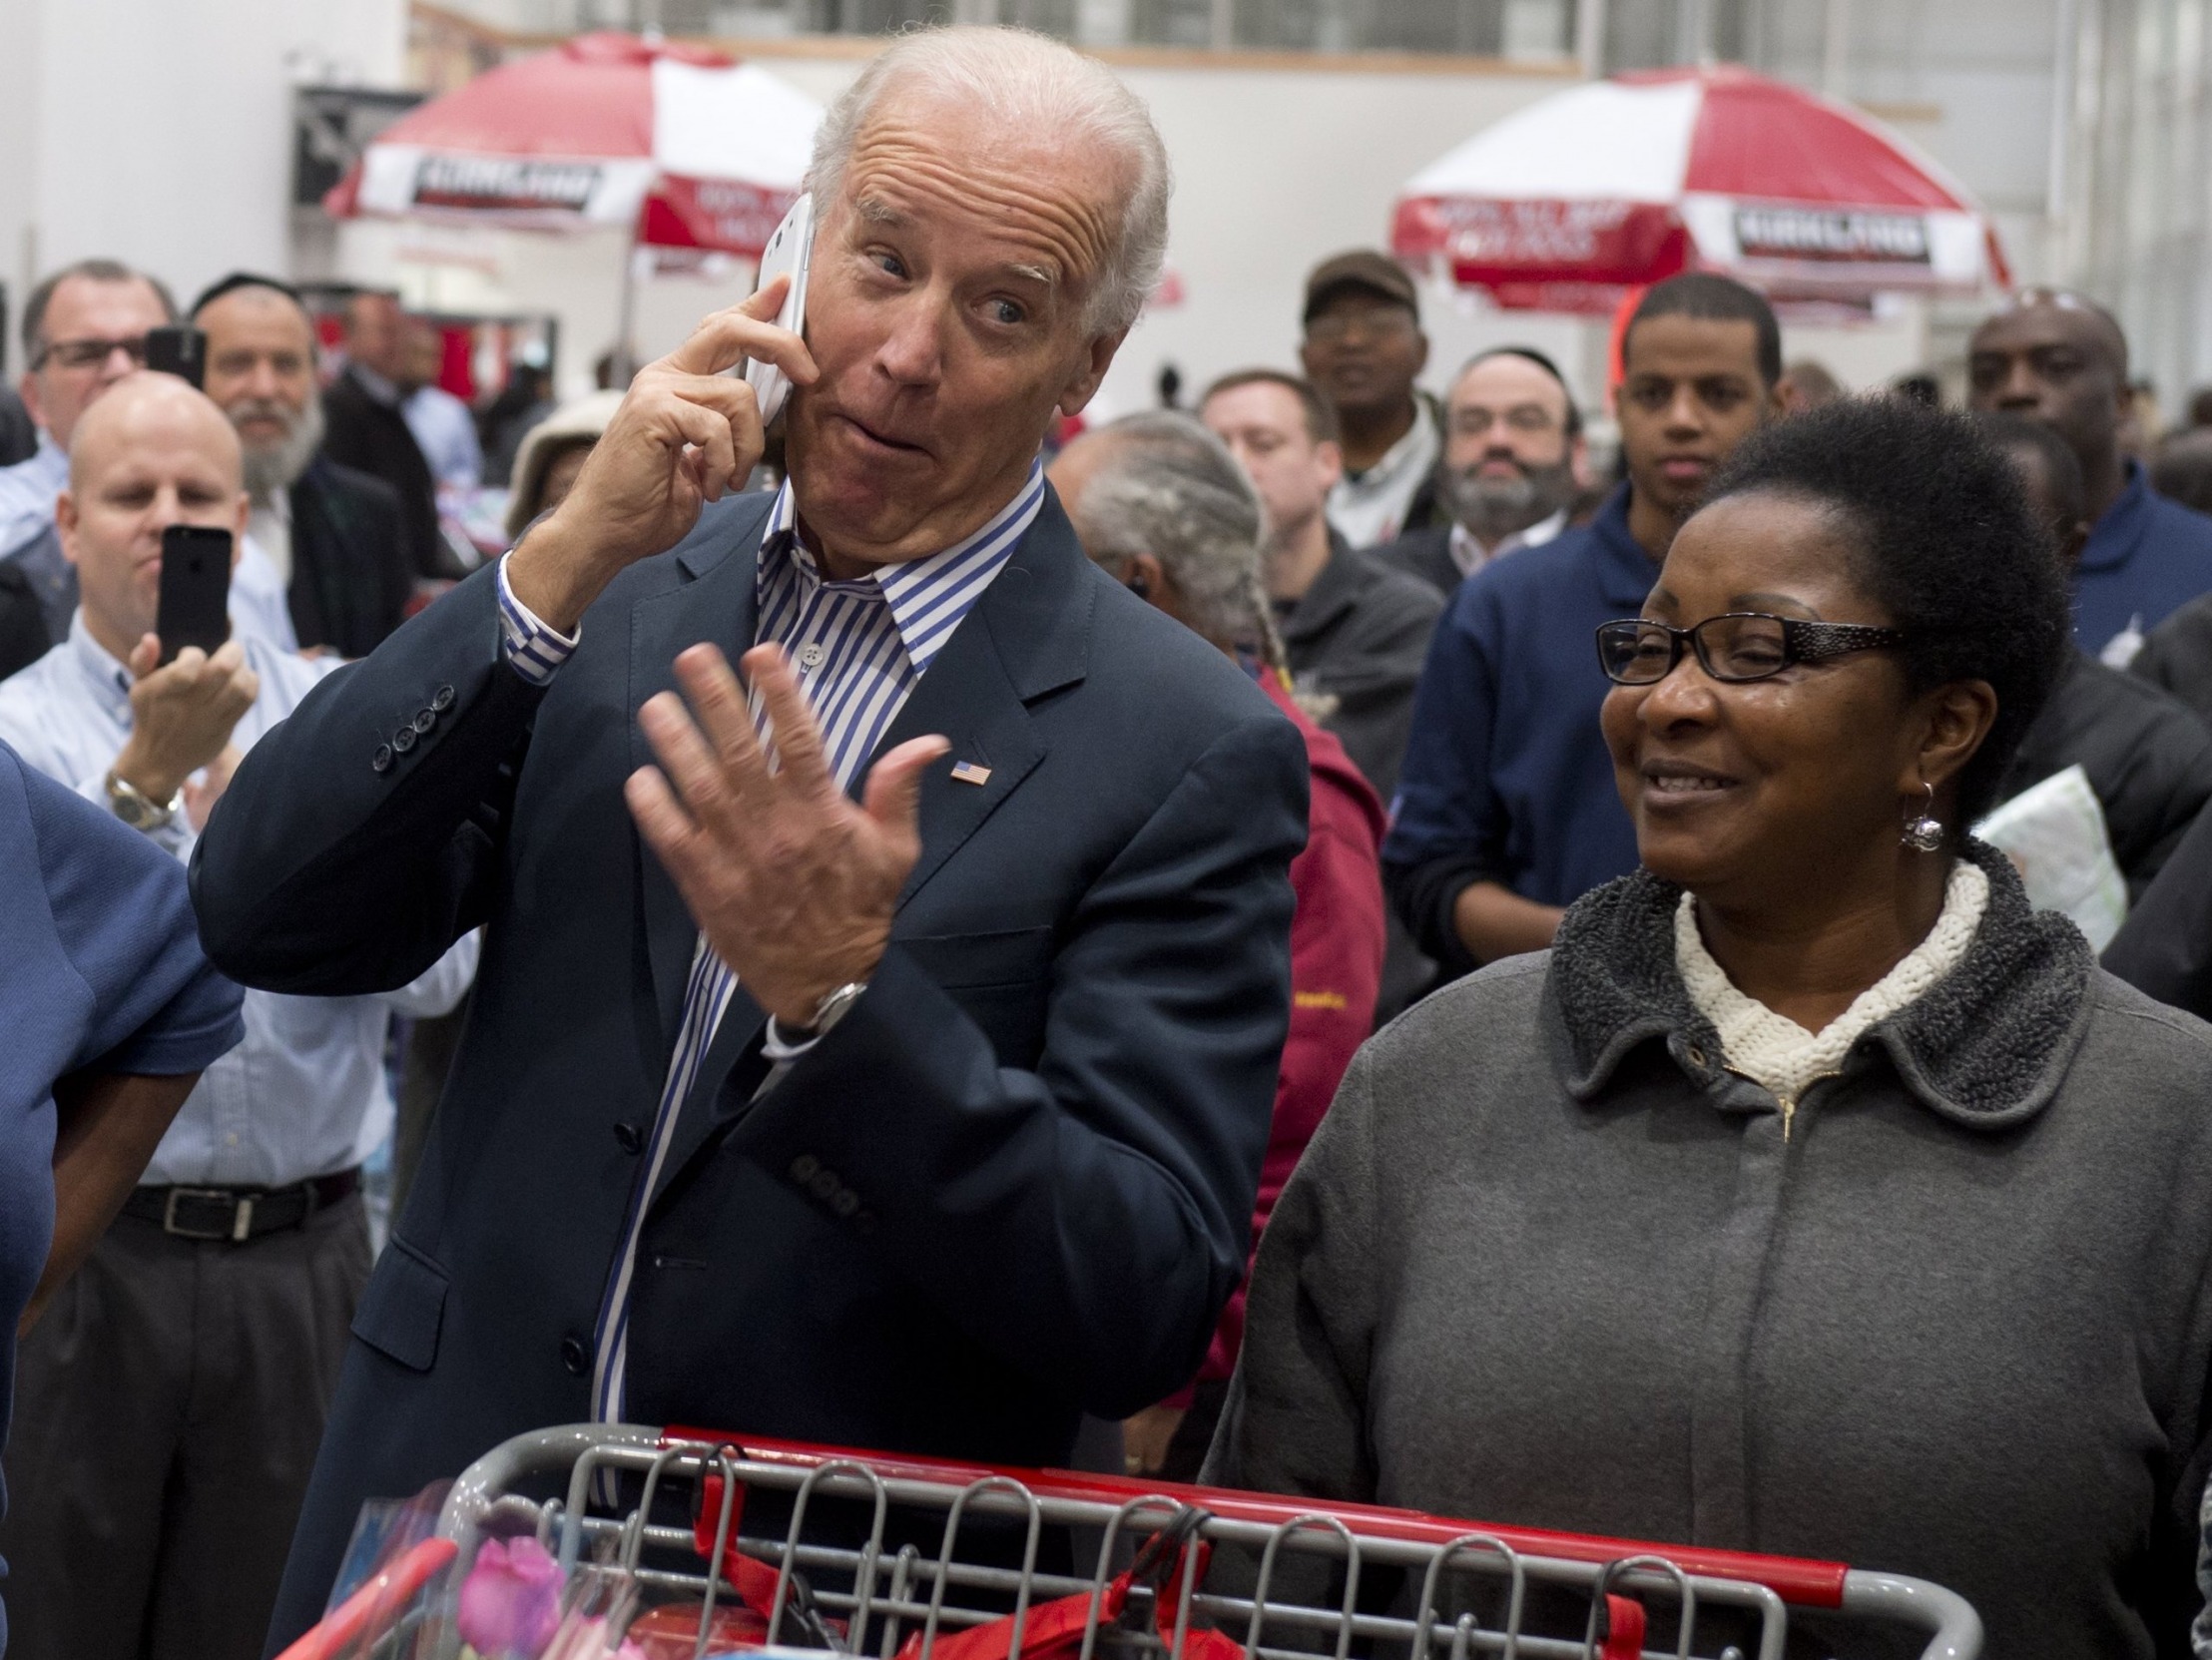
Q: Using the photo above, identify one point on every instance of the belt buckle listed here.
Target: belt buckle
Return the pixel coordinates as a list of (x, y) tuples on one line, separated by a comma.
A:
[(242, 1215)]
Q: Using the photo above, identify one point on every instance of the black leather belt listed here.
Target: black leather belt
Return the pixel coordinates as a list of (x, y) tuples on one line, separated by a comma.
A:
[(236, 1215)]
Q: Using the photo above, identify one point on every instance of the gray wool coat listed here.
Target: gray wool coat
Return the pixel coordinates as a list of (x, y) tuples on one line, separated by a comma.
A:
[(1547, 1263)]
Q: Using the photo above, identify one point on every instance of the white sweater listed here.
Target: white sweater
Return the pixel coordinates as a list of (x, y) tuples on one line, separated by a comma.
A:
[(1775, 1053)]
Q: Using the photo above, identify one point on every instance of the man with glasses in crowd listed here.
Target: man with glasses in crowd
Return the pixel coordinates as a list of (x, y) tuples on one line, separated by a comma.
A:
[(84, 328), (1512, 450), (1363, 348)]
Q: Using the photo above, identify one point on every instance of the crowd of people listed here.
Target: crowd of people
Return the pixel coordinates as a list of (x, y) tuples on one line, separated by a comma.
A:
[(1319, 941)]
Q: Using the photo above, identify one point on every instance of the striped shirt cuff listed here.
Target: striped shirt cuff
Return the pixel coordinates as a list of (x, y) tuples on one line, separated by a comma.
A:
[(534, 648)]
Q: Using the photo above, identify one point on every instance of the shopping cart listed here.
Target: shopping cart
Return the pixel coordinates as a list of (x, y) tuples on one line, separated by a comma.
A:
[(1181, 1573)]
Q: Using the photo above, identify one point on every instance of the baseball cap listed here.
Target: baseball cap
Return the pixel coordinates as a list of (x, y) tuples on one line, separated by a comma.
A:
[(1361, 268)]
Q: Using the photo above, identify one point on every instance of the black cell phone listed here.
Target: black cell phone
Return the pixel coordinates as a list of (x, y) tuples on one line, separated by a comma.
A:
[(196, 589), (181, 351)]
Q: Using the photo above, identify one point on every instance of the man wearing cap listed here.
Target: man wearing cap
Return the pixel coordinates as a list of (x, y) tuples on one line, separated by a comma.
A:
[(1363, 348), (1513, 449), (335, 535)]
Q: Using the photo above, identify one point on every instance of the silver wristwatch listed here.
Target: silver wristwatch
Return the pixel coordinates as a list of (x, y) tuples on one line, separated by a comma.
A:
[(139, 810), (828, 1012)]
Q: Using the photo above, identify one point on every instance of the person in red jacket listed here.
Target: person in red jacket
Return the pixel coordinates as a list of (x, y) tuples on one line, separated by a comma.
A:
[(1161, 505)]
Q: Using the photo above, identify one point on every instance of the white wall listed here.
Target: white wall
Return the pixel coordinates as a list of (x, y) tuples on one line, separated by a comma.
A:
[(160, 131)]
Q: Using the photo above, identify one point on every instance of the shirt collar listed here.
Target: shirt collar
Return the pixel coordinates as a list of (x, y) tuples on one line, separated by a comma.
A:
[(1470, 555), (1626, 571), (109, 680), (1416, 452), (2121, 526), (926, 597)]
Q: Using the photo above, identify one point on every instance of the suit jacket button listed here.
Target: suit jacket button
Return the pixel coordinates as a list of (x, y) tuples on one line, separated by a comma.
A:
[(804, 1167), (424, 720), (442, 698), (381, 760), (629, 1136), (403, 739), (575, 1356)]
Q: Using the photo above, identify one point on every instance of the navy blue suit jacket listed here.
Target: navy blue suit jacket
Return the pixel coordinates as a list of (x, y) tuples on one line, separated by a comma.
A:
[(1013, 1186)]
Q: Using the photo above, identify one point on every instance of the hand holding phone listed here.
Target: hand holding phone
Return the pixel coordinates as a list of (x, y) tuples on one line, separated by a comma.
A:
[(685, 435)]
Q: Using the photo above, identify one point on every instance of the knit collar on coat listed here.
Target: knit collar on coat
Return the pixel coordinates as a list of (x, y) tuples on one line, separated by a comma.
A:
[(1986, 1046)]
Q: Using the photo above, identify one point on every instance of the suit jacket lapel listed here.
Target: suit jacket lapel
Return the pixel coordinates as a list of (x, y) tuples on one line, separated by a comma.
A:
[(713, 600), (1029, 635)]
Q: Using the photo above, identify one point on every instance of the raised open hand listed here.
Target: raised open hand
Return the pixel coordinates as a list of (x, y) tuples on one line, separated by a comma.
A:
[(686, 433), (792, 885)]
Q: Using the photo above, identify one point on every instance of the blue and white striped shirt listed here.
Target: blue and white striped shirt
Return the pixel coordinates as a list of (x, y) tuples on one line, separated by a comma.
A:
[(859, 648)]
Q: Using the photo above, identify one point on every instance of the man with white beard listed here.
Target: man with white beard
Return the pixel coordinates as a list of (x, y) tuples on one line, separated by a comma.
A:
[(334, 535), (1512, 446)]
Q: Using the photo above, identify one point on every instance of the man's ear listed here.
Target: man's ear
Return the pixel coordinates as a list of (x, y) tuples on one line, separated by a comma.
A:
[(1578, 461), (1098, 359), (27, 389), (1329, 460), (1423, 363), (65, 523)]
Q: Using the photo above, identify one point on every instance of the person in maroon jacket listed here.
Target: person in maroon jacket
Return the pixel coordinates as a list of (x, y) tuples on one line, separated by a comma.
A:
[(1162, 505)]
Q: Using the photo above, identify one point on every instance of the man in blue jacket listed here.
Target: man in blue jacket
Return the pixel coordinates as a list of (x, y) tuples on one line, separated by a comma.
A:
[(1506, 809), (2060, 359), (881, 1051)]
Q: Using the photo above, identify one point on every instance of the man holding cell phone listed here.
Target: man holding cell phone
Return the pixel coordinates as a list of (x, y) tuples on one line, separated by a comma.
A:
[(879, 1049), (168, 1407)]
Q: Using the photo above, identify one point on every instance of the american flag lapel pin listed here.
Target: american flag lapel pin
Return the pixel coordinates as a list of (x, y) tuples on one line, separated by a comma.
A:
[(966, 772)]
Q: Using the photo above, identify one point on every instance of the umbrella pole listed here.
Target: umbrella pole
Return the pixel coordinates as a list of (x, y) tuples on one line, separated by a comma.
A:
[(625, 309)]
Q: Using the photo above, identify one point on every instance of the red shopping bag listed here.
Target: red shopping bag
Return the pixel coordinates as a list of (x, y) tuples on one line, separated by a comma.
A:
[(1054, 1630)]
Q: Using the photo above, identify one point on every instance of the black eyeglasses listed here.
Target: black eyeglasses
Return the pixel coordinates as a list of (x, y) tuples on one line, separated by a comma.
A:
[(89, 355), (1739, 646)]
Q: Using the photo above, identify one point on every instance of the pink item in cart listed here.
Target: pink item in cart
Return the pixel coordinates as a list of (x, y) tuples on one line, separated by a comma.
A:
[(511, 1602)]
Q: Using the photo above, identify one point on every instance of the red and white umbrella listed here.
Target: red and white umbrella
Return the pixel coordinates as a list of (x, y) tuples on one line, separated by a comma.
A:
[(688, 147), (1625, 181)]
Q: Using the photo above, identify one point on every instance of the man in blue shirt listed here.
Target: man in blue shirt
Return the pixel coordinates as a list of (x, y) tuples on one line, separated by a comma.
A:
[(110, 1013), (1506, 811), (2060, 359), (173, 1404)]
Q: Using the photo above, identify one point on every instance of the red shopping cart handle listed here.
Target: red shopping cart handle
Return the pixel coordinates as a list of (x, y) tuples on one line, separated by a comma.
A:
[(371, 1610), (1802, 1583)]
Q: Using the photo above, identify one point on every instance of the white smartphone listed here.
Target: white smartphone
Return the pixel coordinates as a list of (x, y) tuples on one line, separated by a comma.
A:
[(788, 250)]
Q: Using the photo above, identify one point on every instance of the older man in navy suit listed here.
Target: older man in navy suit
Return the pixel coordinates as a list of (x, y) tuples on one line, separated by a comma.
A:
[(890, 1063)]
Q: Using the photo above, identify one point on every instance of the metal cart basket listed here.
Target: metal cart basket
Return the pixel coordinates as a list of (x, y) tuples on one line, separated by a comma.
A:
[(933, 1560)]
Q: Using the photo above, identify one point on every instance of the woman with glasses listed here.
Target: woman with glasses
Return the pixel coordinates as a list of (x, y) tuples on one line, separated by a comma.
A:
[(1813, 1195)]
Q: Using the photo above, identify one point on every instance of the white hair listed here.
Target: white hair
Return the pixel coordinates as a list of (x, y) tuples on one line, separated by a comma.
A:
[(1168, 487), (1040, 84)]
